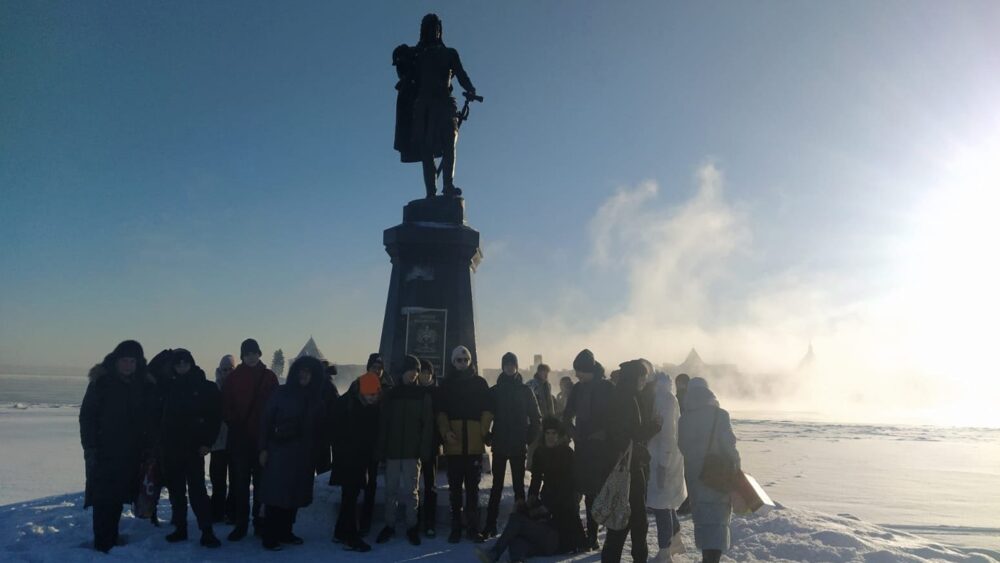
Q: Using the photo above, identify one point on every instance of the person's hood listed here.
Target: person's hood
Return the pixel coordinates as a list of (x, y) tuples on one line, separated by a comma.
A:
[(663, 389), (700, 397), (314, 366)]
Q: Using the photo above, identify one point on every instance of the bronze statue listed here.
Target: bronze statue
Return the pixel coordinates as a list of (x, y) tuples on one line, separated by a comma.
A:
[(427, 117)]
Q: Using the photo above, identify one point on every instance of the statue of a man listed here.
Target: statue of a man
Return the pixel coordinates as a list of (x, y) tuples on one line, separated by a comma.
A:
[(426, 114)]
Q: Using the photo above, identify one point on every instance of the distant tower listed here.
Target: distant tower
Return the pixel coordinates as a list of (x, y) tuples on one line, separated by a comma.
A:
[(310, 349)]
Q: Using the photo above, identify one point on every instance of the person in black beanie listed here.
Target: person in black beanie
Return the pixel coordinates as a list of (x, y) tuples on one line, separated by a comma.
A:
[(516, 422), (192, 413), (586, 419), (115, 432), (376, 365)]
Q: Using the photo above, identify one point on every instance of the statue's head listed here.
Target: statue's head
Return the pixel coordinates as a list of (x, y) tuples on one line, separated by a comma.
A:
[(430, 29)]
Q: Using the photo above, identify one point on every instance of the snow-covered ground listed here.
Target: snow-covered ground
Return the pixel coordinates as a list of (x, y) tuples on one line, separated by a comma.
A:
[(933, 492)]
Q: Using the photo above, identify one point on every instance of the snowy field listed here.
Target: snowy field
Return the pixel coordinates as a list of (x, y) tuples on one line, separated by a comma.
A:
[(933, 492)]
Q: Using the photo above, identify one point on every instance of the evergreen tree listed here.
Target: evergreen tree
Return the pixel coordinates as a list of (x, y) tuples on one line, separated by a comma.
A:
[(278, 362)]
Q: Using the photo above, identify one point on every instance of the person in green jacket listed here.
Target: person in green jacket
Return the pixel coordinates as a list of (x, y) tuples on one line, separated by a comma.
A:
[(406, 434)]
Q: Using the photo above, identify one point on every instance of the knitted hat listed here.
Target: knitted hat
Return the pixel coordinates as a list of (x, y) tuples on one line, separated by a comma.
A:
[(584, 361), (460, 350), (411, 363), (369, 384), (553, 423), (509, 359), (250, 346), (373, 359), (697, 382)]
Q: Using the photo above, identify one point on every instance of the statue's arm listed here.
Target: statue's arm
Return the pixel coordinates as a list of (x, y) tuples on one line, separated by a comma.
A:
[(460, 74)]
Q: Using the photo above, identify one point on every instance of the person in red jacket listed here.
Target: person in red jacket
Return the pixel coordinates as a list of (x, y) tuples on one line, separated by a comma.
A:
[(244, 395)]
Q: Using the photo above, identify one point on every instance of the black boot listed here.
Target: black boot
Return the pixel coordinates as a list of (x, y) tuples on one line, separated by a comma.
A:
[(357, 544), (238, 533), (489, 531), (208, 538), (456, 530), (472, 524), (385, 535), (180, 533), (413, 534)]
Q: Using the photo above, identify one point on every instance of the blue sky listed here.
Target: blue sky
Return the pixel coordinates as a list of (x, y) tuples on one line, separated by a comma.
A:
[(193, 173)]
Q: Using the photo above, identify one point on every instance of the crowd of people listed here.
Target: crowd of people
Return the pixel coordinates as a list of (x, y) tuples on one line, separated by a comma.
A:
[(167, 415)]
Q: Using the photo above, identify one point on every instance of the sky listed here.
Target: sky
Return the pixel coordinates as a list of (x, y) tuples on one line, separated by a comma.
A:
[(647, 177)]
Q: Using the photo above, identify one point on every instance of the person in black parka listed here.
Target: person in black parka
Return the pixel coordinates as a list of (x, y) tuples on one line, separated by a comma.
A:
[(115, 433), (516, 422), (290, 427), (192, 413), (586, 421), (630, 422), (355, 431)]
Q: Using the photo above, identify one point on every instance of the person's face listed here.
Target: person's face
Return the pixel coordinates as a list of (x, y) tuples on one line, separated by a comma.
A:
[(509, 369), (369, 398), (584, 375), (566, 385), (377, 368), (226, 369), (425, 377), (641, 381), (544, 374), (682, 385), (461, 361), (126, 366), (410, 377), (305, 376), (251, 359), (182, 367), (551, 438)]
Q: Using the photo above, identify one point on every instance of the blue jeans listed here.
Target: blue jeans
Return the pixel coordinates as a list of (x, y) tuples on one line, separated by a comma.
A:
[(667, 524)]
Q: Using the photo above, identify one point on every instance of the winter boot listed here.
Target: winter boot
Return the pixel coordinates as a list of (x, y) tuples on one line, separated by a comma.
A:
[(291, 539), (413, 534), (271, 544), (489, 531), (208, 538), (180, 533), (357, 544), (472, 524), (385, 535), (455, 535), (238, 533)]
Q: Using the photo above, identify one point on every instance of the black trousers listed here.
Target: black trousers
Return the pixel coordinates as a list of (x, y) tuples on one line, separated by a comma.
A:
[(218, 472), (244, 468), (368, 505), (346, 528), (526, 538), (588, 503), (278, 525), (428, 500), (638, 525), (499, 467), (464, 471), (107, 515), (185, 476)]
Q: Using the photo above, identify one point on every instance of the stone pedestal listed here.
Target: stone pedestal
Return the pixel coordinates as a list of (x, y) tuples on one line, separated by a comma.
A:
[(429, 309)]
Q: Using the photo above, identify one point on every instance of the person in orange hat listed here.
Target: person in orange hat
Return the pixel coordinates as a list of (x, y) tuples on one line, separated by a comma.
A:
[(355, 426)]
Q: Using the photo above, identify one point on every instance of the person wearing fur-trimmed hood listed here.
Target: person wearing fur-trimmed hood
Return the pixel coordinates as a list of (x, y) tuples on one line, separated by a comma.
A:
[(290, 426), (711, 510), (667, 489), (115, 432)]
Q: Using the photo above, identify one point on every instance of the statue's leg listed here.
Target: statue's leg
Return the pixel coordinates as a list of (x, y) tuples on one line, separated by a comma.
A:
[(430, 176), (448, 166)]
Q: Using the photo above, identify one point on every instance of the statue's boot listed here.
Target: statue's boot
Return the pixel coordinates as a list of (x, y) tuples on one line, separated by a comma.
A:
[(448, 171)]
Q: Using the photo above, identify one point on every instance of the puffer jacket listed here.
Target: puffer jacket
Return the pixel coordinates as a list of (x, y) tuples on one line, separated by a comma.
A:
[(464, 403), (516, 419)]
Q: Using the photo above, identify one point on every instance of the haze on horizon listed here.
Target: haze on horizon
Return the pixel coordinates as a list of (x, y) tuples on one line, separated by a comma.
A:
[(647, 178)]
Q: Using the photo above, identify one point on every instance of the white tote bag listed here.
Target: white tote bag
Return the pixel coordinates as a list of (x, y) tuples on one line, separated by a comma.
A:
[(611, 507)]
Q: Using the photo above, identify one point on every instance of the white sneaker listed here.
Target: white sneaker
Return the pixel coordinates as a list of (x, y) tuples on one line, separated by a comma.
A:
[(676, 545)]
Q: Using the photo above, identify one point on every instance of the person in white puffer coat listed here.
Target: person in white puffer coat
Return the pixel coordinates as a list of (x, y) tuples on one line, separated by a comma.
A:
[(667, 489)]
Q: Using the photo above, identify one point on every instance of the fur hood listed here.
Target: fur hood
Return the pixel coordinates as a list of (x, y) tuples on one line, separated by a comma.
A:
[(99, 371)]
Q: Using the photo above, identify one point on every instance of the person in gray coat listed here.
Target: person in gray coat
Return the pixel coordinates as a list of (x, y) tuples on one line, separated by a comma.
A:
[(289, 429), (711, 510)]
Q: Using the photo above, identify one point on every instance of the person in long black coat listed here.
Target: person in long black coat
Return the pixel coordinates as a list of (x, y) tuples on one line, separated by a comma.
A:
[(192, 414), (586, 421), (630, 421), (290, 427), (115, 433), (355, 431)]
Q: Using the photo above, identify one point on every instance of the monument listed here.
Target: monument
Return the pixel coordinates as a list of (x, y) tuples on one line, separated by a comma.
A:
[(434, 252)]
